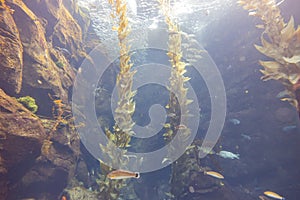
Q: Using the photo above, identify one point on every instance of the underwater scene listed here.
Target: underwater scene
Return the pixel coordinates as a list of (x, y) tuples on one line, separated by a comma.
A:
[(149, 99)]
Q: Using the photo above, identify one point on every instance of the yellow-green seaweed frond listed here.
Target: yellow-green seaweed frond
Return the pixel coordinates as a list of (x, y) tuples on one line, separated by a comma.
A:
[(178, 103), (122, 130), (126, 106), (281, 42), (177, 80)]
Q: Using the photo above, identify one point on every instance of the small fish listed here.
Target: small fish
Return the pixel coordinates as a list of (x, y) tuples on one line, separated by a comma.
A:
[(171, 115), (93, 172), (122, 174), (191, 189), (180, 127), (166, 160), (263, 197), (214, 174), (57, 101), (289, 128), (282, 94), (63, 197), (260, 26), (234, 121), (228, 154), (247, 137), (273, 195)]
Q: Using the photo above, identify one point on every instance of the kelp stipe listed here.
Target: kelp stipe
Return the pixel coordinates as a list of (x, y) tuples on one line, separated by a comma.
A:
[(179, 102), (122, 130), (126, 105), (281, 42), (178, 110)]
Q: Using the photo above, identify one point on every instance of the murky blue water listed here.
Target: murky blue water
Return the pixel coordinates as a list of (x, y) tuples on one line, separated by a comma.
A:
[(245, 140), (259, 127)]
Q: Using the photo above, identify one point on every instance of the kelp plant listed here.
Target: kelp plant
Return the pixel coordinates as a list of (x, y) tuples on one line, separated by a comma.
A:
[(122, 130), (5, 7), (177, 108), (178, 103), (281, 42)]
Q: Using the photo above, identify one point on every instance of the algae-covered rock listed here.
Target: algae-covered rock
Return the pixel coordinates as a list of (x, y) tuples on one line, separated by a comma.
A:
[(10, 54), (60, 28), (22, 135), (34, 40), (54, 168), (39, 69), (40, 45), (29, 55), (80, 15)]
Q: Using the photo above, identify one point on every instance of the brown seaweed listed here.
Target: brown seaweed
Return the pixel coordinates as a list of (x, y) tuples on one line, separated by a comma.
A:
[(280, 41), (122, 131), (179, 101)]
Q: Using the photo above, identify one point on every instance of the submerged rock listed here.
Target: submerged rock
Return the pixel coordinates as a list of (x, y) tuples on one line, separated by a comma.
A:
[(53, 168), (11, 54), (41, 45), (21, 138), (60, 28), (31, 43), (39, 70)]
